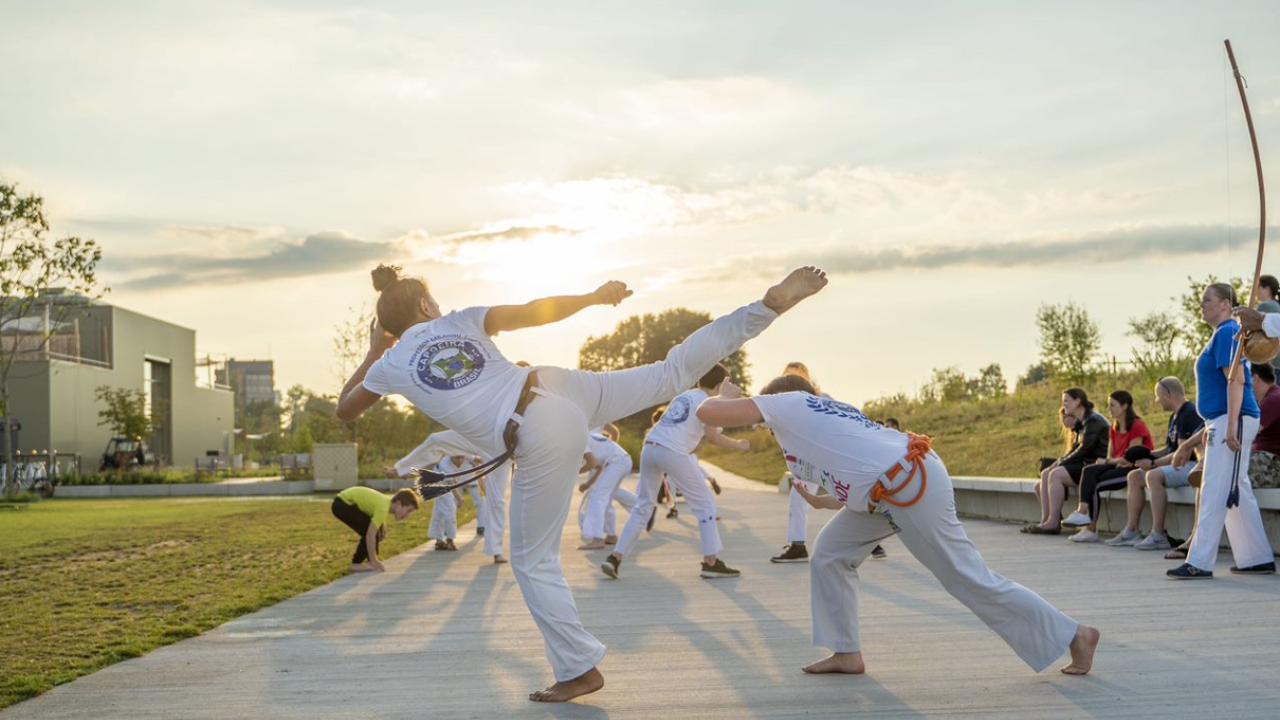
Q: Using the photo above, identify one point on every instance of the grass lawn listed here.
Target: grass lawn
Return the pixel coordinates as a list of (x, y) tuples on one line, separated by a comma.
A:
[(86, 583)]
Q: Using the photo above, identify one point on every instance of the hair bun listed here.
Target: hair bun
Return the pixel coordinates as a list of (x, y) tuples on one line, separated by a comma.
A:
[(384, 276)]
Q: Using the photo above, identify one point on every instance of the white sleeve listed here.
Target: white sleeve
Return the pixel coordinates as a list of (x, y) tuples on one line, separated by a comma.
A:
[(472, 318), (375, 379), (1271, 325), (435, 448)]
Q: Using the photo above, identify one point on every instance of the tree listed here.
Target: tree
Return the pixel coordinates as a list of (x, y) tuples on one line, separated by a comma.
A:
[(1158, 356), (124, 411), (947, 385), (1035, 375), (1195, 332), (989, 383), (643, 339), (350, 342), (1069, 339), (30, 263)]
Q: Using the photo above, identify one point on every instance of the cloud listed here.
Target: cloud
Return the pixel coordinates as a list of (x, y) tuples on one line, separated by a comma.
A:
[(317, 254), (1124, 244)]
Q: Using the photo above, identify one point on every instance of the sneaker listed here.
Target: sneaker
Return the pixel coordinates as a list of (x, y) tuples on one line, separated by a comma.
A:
[(1260, 569), (648, 527), (1128, 538), (610, 567), (878, 553), (718, 570), (795, 552), (1085, 536), (480, 532), (1187, 571), (673, 513), (1076, 519), (1154, 541)]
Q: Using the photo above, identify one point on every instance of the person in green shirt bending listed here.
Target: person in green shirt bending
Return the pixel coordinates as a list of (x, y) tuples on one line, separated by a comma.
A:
[(365, 511)]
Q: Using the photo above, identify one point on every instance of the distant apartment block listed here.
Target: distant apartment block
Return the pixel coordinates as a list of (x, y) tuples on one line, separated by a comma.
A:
[(252, 381), (52, 387)]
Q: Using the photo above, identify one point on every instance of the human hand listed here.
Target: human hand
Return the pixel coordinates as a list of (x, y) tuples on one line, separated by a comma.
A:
[(379, 339), (1250, 319), (611, 293), (1232, 440), (728, 390), (1181, 455)]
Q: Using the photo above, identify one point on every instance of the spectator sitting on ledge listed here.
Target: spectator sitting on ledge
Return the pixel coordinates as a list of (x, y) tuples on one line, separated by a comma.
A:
[(1130, 444), (1264, 463), (1057, 479), (1184, 422)]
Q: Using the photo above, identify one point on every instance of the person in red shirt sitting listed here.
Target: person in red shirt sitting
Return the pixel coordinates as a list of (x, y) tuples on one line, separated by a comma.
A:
[(1128, 434), (1264, 461)]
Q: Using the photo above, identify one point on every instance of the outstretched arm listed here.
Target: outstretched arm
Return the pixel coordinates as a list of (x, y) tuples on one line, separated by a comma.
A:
[(726, 412), (503, 318), (713, 435)]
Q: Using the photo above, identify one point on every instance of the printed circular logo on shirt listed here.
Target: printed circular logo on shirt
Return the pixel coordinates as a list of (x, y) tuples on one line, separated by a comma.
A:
[(677, 412), (448, 364)]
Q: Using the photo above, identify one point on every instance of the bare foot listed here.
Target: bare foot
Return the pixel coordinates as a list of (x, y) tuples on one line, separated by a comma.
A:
[(845, 663), (360, 567), (800, 284), (595, 544), (499, 560), (1083, 646), (588, 682), (610, 539)]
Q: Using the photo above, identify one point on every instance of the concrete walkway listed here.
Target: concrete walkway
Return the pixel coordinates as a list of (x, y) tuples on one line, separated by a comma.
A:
[(447, 636)]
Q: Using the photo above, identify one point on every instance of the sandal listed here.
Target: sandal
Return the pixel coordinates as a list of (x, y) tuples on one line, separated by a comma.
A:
[(1178, 553)]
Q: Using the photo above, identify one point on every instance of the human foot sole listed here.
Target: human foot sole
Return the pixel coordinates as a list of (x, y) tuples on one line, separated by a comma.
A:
[(800, 284)]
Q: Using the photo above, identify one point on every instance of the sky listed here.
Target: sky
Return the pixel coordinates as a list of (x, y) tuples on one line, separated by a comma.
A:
[(245, 164)]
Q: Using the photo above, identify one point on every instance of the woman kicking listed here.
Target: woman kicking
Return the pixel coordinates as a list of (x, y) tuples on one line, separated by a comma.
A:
[(449, 367), (883, 481)]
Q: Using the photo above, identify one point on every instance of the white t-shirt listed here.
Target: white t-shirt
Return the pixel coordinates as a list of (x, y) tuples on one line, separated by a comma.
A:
[(832, 444), (451, 371), (605, 449), (680, 429)]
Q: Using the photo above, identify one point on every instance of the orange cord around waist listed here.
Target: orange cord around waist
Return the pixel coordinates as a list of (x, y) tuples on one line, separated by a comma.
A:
[(918, 446)]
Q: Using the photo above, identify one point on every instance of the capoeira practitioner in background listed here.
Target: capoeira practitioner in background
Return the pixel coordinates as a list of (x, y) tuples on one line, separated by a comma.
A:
[(608, 463), (444, 509), (492, 512), (882, 481), (1231, 419), (797, 507), (668, 449), (449, 367)]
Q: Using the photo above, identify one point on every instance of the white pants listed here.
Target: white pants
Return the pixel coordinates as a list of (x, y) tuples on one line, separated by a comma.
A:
[(1249, 544), (494, 520), (477, 500), (798, 512), (598, 516), (1038, 632), (444, 517), (685, 475), (551, 442)]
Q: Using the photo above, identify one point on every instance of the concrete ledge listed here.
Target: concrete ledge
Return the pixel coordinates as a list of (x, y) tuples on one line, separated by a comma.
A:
[(272, 487), (1013, 499)]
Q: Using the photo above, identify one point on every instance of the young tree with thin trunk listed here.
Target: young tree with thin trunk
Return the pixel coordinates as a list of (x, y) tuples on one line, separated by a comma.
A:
[(30, 263)]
